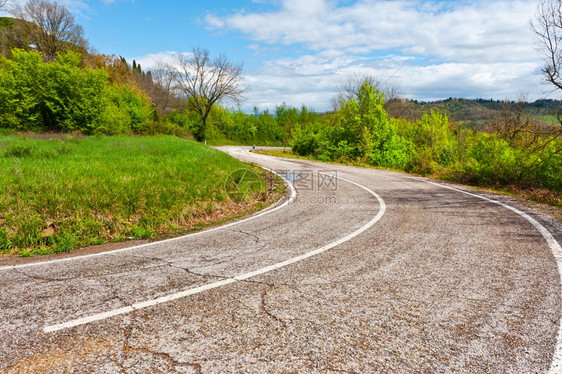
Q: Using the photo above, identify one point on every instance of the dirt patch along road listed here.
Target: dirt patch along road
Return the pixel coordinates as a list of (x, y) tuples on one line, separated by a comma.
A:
[(375, 273)]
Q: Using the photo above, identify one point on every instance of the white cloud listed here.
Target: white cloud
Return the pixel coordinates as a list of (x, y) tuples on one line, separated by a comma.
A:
[(151, 61), (468, 31), (312, 80), (463, 49), (75, 6)]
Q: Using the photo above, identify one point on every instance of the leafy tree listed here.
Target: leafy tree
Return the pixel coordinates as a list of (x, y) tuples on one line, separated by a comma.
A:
[(134, 108), (349, 87), (61, 95), (19, 96), (287, 118)]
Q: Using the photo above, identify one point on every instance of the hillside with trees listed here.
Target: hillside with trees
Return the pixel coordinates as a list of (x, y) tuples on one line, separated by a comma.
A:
[(477, 112)]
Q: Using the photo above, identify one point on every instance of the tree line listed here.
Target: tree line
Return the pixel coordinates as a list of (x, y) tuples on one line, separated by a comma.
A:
[(513, 149), (55, 82)]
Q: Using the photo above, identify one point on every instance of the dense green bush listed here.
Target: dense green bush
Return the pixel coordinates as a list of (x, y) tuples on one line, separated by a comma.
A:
[(56, 96), (63, 96), (135, 108), (492, 161), (547, 170), (362, 131), (306, 144)]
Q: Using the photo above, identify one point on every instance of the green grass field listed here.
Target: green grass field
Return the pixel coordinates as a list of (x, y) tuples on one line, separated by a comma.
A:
[(547, 118), (60, 194)]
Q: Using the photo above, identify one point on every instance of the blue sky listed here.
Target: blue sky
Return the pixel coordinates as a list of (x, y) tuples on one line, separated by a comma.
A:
[(296, 51)]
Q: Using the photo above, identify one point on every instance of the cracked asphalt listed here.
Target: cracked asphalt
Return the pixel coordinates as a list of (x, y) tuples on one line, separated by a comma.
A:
[(444, 282)]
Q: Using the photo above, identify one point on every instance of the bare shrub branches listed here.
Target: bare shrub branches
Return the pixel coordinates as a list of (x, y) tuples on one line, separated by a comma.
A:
[(50, 27), (205, 81)]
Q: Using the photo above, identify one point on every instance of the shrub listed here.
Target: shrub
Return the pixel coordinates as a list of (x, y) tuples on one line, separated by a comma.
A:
[(63, 96), (19, 150), (493, 161), (54, 96), (306, 144), (364, 132), (134, 105)]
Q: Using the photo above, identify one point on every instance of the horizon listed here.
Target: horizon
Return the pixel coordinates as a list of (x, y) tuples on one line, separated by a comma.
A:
[(297, 52)]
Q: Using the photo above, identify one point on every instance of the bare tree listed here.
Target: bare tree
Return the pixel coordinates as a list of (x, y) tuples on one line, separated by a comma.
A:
[(162, 90), (350, 85), (50, 27), (547, 27), (4, 45), (205, 82)]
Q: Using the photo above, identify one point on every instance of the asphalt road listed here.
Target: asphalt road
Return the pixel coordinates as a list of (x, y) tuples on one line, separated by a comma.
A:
[(370, 272)]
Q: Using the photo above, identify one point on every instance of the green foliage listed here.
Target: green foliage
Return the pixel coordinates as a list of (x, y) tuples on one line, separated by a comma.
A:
[(265, 128), (362, 132), (71, 98), (131, 109), (113, 120), (492, 161), (548, 167), (62, 96), (19, 97), (102, 189), (56, 96), (306, 144), (434, 142)]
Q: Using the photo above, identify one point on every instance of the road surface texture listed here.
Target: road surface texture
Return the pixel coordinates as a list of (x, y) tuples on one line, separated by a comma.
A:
[(372, 272)]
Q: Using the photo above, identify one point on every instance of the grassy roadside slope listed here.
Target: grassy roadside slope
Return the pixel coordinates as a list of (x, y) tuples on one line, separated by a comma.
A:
[(60, 194)]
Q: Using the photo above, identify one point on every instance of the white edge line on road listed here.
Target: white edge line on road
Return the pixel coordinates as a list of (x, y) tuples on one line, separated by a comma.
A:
[(241, 277), (106, 253), (556, 364)]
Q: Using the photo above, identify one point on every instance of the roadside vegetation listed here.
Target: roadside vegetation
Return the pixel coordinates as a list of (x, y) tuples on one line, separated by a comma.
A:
[(60, 194), (516, 152), (122, 163)]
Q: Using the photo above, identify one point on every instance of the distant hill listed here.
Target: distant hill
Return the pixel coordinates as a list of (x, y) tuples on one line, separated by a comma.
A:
[(476, 112)]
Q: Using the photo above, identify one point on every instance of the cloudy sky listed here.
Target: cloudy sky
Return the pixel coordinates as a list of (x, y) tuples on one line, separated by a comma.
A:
[(296, 51)]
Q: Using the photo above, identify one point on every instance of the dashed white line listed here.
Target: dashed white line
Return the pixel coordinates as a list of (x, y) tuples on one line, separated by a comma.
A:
[(241, 277)]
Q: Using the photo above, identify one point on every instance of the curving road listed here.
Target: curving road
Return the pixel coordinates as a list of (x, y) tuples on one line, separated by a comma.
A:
[(359, 271)]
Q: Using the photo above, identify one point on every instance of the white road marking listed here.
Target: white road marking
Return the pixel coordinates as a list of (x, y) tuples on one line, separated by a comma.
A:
[(556, 364), (116, 251), (241, 277)]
